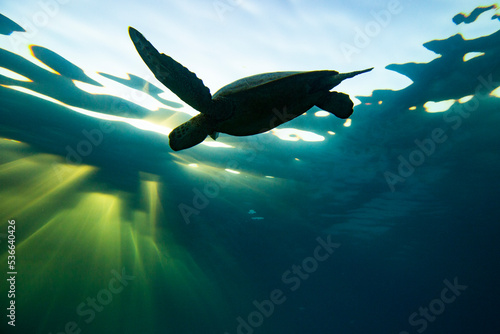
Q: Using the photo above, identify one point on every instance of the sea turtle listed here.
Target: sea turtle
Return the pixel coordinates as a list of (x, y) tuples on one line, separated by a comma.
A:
[(247, 106)]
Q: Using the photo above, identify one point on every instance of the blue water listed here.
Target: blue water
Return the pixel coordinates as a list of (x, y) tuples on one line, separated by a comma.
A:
[(390, 226)]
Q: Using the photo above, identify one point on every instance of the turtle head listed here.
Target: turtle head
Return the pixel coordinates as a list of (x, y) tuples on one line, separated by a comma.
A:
[(190, 133)]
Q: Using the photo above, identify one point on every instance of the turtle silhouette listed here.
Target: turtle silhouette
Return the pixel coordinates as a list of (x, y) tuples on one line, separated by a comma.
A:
[(248, 106)]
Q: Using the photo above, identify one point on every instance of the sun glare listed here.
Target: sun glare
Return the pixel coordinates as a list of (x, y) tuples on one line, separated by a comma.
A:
[(13, 75), (496, 92), (466, 99), (321, 113), (441, 106), (296, 135), (111, 88), (472, 55)]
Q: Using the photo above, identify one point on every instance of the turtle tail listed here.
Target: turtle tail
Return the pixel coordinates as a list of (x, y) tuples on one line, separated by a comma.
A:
[(343, 76), (337, 78)]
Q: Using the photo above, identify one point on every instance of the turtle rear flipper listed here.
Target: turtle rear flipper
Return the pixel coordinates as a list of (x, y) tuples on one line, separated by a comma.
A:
[(182, 82), (337, 103)]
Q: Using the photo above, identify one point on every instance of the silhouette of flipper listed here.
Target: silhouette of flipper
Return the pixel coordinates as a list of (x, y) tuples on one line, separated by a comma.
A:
[(336, 103), (182, 82)]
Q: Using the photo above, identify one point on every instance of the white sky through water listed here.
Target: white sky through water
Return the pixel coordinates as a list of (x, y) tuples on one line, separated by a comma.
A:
[(224, 40)]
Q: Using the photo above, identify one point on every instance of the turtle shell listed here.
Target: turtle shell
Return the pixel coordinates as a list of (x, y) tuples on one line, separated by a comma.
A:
[(264, 101), (252, 82)]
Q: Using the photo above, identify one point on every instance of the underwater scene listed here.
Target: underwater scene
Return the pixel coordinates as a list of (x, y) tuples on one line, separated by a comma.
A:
[(137, 196)]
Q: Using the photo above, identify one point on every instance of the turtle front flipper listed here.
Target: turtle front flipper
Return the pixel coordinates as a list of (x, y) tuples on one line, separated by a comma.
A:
[(182, 82), (337, 103)]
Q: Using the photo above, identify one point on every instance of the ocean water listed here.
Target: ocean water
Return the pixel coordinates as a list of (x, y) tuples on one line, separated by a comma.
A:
[(383, 223)]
